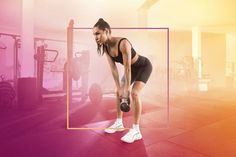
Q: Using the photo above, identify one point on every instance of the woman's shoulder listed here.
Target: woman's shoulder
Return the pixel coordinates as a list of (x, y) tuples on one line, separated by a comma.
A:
[(120, 38), (123, 44), (120, 41)]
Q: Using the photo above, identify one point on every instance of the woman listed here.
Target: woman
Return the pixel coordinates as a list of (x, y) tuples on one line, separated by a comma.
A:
[(137, 70)]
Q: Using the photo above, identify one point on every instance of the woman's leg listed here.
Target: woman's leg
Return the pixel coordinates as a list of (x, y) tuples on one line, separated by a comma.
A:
[(134, 133), (118, 111), (137, 87), (118, 124)]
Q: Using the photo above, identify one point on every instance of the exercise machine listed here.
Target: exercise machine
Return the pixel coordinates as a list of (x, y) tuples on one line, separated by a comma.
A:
[(77, 71)]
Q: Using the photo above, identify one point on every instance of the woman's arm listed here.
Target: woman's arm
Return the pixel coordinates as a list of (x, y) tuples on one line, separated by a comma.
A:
[(114, 71), (125, 48)]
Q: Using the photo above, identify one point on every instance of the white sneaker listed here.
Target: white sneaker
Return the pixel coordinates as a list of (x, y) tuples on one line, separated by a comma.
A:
[(132, 136), (114, 128)]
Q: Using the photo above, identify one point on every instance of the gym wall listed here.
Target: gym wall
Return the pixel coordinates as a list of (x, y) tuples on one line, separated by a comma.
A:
[(214, 58)]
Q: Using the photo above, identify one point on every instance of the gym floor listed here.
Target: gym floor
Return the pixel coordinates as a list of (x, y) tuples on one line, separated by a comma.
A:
[(200, 125)]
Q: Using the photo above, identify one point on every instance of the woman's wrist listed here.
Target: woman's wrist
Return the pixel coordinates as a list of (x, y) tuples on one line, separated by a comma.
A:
[(126, 93)]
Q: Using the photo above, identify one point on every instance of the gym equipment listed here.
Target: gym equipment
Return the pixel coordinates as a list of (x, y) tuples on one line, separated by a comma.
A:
[(125, 104), (78, 70), (40, 57), (16, 65), (95, 93), (79, 65), (7, 94)]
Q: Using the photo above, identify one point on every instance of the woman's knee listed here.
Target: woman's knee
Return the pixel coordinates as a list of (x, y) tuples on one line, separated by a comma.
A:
[(134, 94)]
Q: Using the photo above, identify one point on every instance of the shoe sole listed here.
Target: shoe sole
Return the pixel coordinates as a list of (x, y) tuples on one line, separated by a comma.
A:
[(136, 139), (112, 131)]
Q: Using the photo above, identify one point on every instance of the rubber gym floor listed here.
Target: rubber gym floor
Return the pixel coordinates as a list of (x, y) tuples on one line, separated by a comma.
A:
[(200, 125)]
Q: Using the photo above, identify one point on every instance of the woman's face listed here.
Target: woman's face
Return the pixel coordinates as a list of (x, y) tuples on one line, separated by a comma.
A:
[(100, 35)]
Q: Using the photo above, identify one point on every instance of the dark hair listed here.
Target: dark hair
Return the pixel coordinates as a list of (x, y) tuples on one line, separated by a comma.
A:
[(101, 24)]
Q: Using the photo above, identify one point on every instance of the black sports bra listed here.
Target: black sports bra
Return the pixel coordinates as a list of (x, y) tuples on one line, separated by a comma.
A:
[(119, 58)]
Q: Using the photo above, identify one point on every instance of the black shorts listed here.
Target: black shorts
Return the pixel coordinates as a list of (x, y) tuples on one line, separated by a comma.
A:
[(140, 70)]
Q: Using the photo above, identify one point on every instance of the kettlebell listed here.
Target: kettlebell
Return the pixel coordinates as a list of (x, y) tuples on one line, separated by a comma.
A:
[(125, 104)]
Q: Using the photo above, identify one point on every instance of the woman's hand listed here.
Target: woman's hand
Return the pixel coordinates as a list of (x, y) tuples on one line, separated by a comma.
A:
[(122, 93), (126, 94)]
